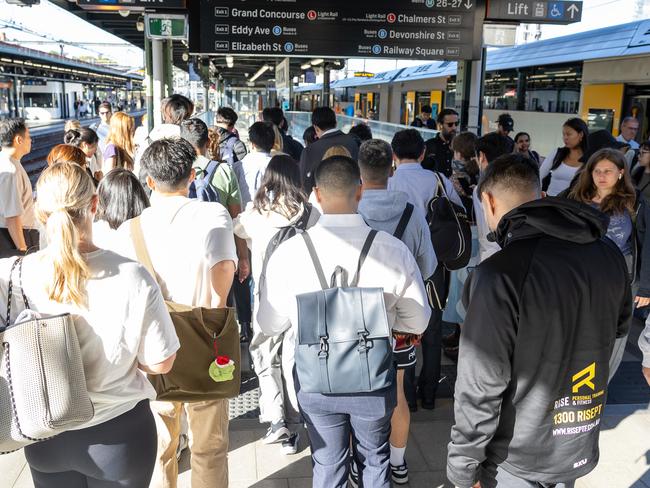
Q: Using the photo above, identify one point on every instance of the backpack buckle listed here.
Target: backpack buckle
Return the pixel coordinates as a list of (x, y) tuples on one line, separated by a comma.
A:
[(324, 347), (363, 342)]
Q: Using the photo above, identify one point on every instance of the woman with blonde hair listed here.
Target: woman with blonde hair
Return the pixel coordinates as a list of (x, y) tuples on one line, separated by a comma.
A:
[(278, 144), (124, 332), (120, 148)]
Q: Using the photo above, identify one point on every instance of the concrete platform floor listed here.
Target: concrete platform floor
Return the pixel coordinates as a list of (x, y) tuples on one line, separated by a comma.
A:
[(624, 463)]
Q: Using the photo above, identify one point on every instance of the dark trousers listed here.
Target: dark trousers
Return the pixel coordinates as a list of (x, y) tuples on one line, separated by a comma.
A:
[(120, 453), (7, 246), (431, 346), (331, 419), (493, 476), (241, 294)]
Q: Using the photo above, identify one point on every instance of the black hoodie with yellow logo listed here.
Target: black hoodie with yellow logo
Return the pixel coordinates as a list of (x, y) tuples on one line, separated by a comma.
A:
[(542, 317)]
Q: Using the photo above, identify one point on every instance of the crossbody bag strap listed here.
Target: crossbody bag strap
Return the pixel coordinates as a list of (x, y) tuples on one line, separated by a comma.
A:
[(404, 221), (314, 257), (18, 263), (364, 254), (140, 246)]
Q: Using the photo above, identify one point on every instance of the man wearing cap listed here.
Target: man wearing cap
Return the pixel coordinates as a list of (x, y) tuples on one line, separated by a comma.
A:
[(505, 125)]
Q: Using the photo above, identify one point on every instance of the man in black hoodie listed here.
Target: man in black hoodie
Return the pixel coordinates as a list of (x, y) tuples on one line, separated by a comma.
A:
[(542, 317)]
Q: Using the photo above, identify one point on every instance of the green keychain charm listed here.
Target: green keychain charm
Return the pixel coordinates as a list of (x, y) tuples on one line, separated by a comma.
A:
[(222, 368)]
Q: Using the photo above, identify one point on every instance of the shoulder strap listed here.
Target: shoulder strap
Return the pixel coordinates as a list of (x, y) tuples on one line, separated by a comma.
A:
[(211, 169), (17, 263), (315, 260), (303, 221), (140, 246), (364, 253), (404, 221), (441, 186)]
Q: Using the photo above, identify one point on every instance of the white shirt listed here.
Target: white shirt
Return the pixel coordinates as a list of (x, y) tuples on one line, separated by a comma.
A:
[(185, 238), (16, 196), (486, 248), (254, 166), (562, 175), (420, 185), (96, 162), (104, 237), (633, 144), (338, 240), (126, 323)]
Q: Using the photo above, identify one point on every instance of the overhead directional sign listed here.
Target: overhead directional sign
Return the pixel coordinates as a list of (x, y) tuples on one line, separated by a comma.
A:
[(534, 11), (130, 4), (409, 29)]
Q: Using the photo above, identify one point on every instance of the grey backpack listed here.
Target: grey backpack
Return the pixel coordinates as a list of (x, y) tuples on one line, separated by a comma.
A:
[(344, 342)]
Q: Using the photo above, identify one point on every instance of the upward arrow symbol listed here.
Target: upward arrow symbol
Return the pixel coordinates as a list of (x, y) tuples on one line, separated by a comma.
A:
[(573, 9), (468, 5)]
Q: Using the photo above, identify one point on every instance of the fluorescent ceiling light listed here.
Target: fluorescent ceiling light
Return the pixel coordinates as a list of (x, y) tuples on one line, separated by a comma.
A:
[(230, 61), (316, 62), (260, 72), (305, 66)]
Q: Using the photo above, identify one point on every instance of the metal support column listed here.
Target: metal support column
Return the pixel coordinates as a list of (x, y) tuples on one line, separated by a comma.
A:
[(158, 78), (469, 99), (148, 62), (169, 67), (325, 97)]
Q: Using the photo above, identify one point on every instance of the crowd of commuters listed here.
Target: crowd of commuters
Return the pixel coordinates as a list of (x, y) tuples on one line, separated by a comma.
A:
[(124, 223)]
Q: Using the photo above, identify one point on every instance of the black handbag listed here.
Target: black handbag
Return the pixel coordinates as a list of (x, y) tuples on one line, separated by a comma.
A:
[(451, 234)]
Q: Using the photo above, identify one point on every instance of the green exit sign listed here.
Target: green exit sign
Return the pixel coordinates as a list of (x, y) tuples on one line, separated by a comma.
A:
[(166, 26)]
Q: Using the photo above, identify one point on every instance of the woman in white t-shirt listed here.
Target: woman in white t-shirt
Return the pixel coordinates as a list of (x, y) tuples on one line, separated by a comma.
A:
[(279, 203), (560, 167), (124, 331)]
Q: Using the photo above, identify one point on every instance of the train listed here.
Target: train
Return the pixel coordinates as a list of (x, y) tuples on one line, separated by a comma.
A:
[(602, 76)]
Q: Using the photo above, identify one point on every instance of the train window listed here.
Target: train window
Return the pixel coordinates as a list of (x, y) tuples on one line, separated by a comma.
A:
[(41, 100), (543, 89)]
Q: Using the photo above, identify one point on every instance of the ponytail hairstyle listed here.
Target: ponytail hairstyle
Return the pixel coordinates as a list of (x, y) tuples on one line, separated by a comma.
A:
[(65, 195), (75, 137)]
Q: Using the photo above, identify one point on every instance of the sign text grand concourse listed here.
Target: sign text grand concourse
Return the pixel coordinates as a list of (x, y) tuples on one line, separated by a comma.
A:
[(406, 29)]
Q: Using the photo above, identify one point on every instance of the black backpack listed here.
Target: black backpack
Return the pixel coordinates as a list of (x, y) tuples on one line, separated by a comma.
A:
[(451, 234)]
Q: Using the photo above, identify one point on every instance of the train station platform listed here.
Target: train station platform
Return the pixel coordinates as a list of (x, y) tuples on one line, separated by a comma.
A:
[(624, 447)]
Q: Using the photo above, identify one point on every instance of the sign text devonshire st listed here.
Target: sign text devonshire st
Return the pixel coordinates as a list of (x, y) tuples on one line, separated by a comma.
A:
[(413, 29)]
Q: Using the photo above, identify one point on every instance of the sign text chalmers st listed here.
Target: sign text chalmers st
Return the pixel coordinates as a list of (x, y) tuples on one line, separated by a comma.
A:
[(430, 29)]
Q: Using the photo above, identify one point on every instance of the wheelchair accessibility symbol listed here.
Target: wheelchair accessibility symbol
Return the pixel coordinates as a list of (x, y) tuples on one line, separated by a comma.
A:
[(556, 10)]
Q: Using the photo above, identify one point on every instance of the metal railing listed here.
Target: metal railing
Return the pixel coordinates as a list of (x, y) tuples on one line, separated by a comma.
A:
[(299, 121)]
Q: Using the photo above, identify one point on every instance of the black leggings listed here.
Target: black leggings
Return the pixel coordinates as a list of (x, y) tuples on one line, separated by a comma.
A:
[(120, 453)]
